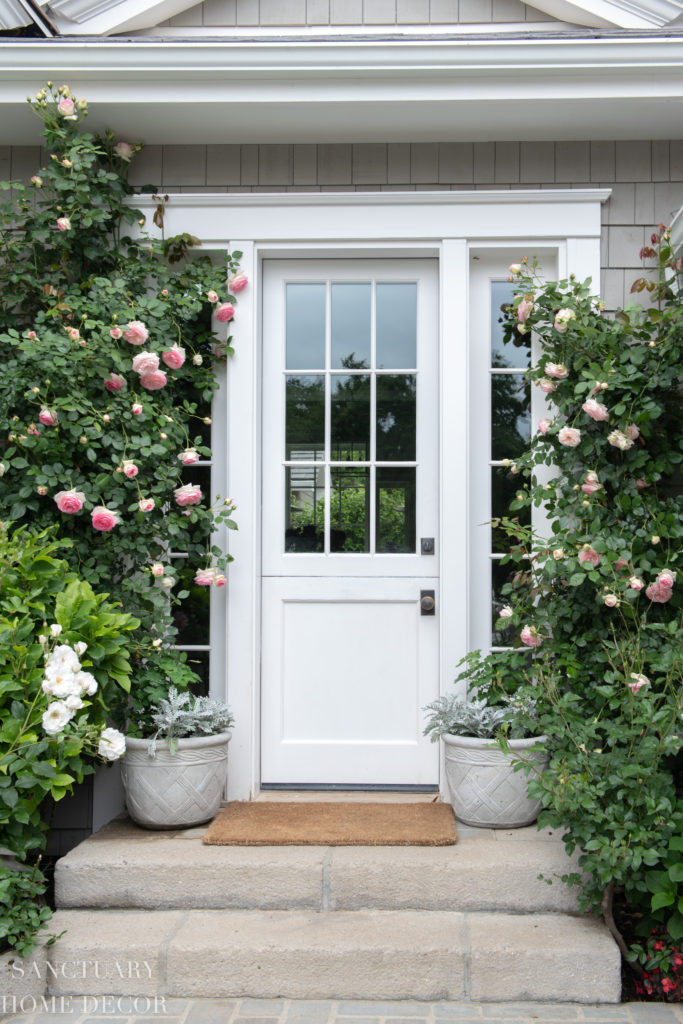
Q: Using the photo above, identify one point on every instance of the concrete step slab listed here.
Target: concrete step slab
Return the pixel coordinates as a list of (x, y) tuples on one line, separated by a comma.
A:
[(124, 866), (335, 955)]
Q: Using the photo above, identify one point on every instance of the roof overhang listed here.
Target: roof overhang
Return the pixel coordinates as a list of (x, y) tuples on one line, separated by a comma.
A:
[(330, 89)]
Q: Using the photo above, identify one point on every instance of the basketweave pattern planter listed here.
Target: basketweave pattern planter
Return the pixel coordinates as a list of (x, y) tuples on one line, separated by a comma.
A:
[(485, 789), (176, 790)]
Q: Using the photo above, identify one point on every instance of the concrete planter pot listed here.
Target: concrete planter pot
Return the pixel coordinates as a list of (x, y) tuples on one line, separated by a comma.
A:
[(485, 789), (175, 790)]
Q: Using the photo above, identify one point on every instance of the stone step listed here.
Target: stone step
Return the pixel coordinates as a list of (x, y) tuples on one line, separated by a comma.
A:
[(405, 954), (126, 867)]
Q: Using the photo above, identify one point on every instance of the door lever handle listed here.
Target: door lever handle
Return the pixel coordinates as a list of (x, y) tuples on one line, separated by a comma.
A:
[(427, 602)]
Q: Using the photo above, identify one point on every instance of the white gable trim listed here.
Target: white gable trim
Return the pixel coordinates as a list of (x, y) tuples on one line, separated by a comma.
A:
[(638, 14), (93, 17)]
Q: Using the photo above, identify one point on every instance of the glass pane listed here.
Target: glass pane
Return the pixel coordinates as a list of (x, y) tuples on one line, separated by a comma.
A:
[(510, 415), (351, 326), (517, 351), (395, 509), (305, 417), (305, 326), (503, 634), (350, 418), (396, 417), (198, 475), (191, 616), (305, 508), (504, 486), (199, 663), (349, 509), (396, 326)]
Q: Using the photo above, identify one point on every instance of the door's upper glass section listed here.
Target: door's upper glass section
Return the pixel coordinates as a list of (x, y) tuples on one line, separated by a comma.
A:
[(350, 454)]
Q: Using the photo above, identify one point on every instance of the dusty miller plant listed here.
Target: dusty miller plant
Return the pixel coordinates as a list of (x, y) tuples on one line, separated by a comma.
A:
[(183, 714)]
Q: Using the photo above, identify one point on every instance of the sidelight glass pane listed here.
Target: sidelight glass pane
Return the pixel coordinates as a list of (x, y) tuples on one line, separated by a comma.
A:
[(396, 326), (510, 415), (351, 307), (305, 508), (305, 417), (191, 616), (396, 410), (350, 434), (305, 324), (503, 634), (517, 351), (349, 509), (504, 486), (395, 510)]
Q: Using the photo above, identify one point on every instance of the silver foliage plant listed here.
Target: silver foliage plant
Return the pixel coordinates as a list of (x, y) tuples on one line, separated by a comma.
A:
[(450, 715), (183, 714)]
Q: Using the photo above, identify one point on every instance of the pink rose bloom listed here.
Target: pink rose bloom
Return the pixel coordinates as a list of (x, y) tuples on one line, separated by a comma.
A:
[(639, 680), (547, 386), (174, 357), (666, 579), (63, 223), (611, 600), (146, 504), (524, 309), (48, 417), (129, 468), (596, 410), (641, 484), (66, 106), (530, 637), (591, 484), (620, 441), (212, 296), (658, 594), (189, 456), (146, 362), (124, 151), (189, 494), (33, 430), (209, 578), (41, 489), (114, 382), (32, 335), (570, 437), (157, 569), (237, 282), (103, 519), (70, 501), (588, 554), (136, 408), (544, 425), (225, 312), (562, 318), (116, 333), (635, 583), (153, 381), (557, 370), (136, 333), (632, 432)]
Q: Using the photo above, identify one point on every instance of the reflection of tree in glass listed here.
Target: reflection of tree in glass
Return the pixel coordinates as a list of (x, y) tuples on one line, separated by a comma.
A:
[(305, 412), (348, 519), (396, 416), (510, 414), (350, 408)]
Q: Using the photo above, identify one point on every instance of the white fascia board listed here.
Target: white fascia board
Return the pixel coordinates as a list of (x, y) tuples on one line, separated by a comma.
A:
[(630, 14), (676, 230), (103, 17), (327, 219)]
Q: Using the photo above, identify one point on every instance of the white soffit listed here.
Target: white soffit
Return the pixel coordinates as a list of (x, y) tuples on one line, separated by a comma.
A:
[(633, 14), (505, 88), (93, 17)]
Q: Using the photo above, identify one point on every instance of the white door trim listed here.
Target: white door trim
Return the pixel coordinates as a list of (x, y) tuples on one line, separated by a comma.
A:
[(445, 224)]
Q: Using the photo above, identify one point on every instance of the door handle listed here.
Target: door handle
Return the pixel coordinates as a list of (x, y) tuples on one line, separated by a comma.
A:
[(427, 602)]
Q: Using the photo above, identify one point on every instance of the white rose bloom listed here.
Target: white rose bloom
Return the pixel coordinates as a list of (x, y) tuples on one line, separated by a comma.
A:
[(112, 744), (60, 682), (63, 658), (56, 717), (80, 648), (73, 702), (85, 683), (55, 629)]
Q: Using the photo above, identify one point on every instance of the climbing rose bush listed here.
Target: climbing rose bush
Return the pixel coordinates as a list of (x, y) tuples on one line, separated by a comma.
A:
[(598, 599), (109, 367)]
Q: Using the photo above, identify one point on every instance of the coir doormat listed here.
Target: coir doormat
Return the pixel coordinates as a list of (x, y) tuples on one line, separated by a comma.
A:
[(332, 824)]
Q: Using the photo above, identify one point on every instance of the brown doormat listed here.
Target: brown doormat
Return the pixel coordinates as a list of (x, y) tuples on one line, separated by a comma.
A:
[(332, 824)]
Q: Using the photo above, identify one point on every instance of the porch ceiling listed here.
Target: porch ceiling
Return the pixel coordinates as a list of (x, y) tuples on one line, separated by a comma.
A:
[(511, 87)]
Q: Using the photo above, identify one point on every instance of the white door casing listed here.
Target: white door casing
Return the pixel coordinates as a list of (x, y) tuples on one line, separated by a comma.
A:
[(348, 660)]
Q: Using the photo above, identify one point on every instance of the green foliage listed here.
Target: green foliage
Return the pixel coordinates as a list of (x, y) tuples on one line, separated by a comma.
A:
[(598, 602), (24, 912), (453, 716), (75, 416), (667, 889)]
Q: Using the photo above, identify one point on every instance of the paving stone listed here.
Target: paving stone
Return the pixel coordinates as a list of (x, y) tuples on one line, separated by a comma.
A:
[(382, 1009), (652, 1013), (313, 1012), (456, 1011), (544, 1011), (209, 1011), (261, 1007)]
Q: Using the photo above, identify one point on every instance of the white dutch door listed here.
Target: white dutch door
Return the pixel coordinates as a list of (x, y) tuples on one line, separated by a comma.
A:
[(350, 522)]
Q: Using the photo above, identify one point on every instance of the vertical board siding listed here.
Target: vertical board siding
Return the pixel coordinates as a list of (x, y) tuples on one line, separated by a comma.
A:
[(265, 13)]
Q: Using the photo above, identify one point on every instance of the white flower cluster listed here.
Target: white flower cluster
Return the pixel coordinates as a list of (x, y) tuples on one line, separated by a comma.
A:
[(67, 681)]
